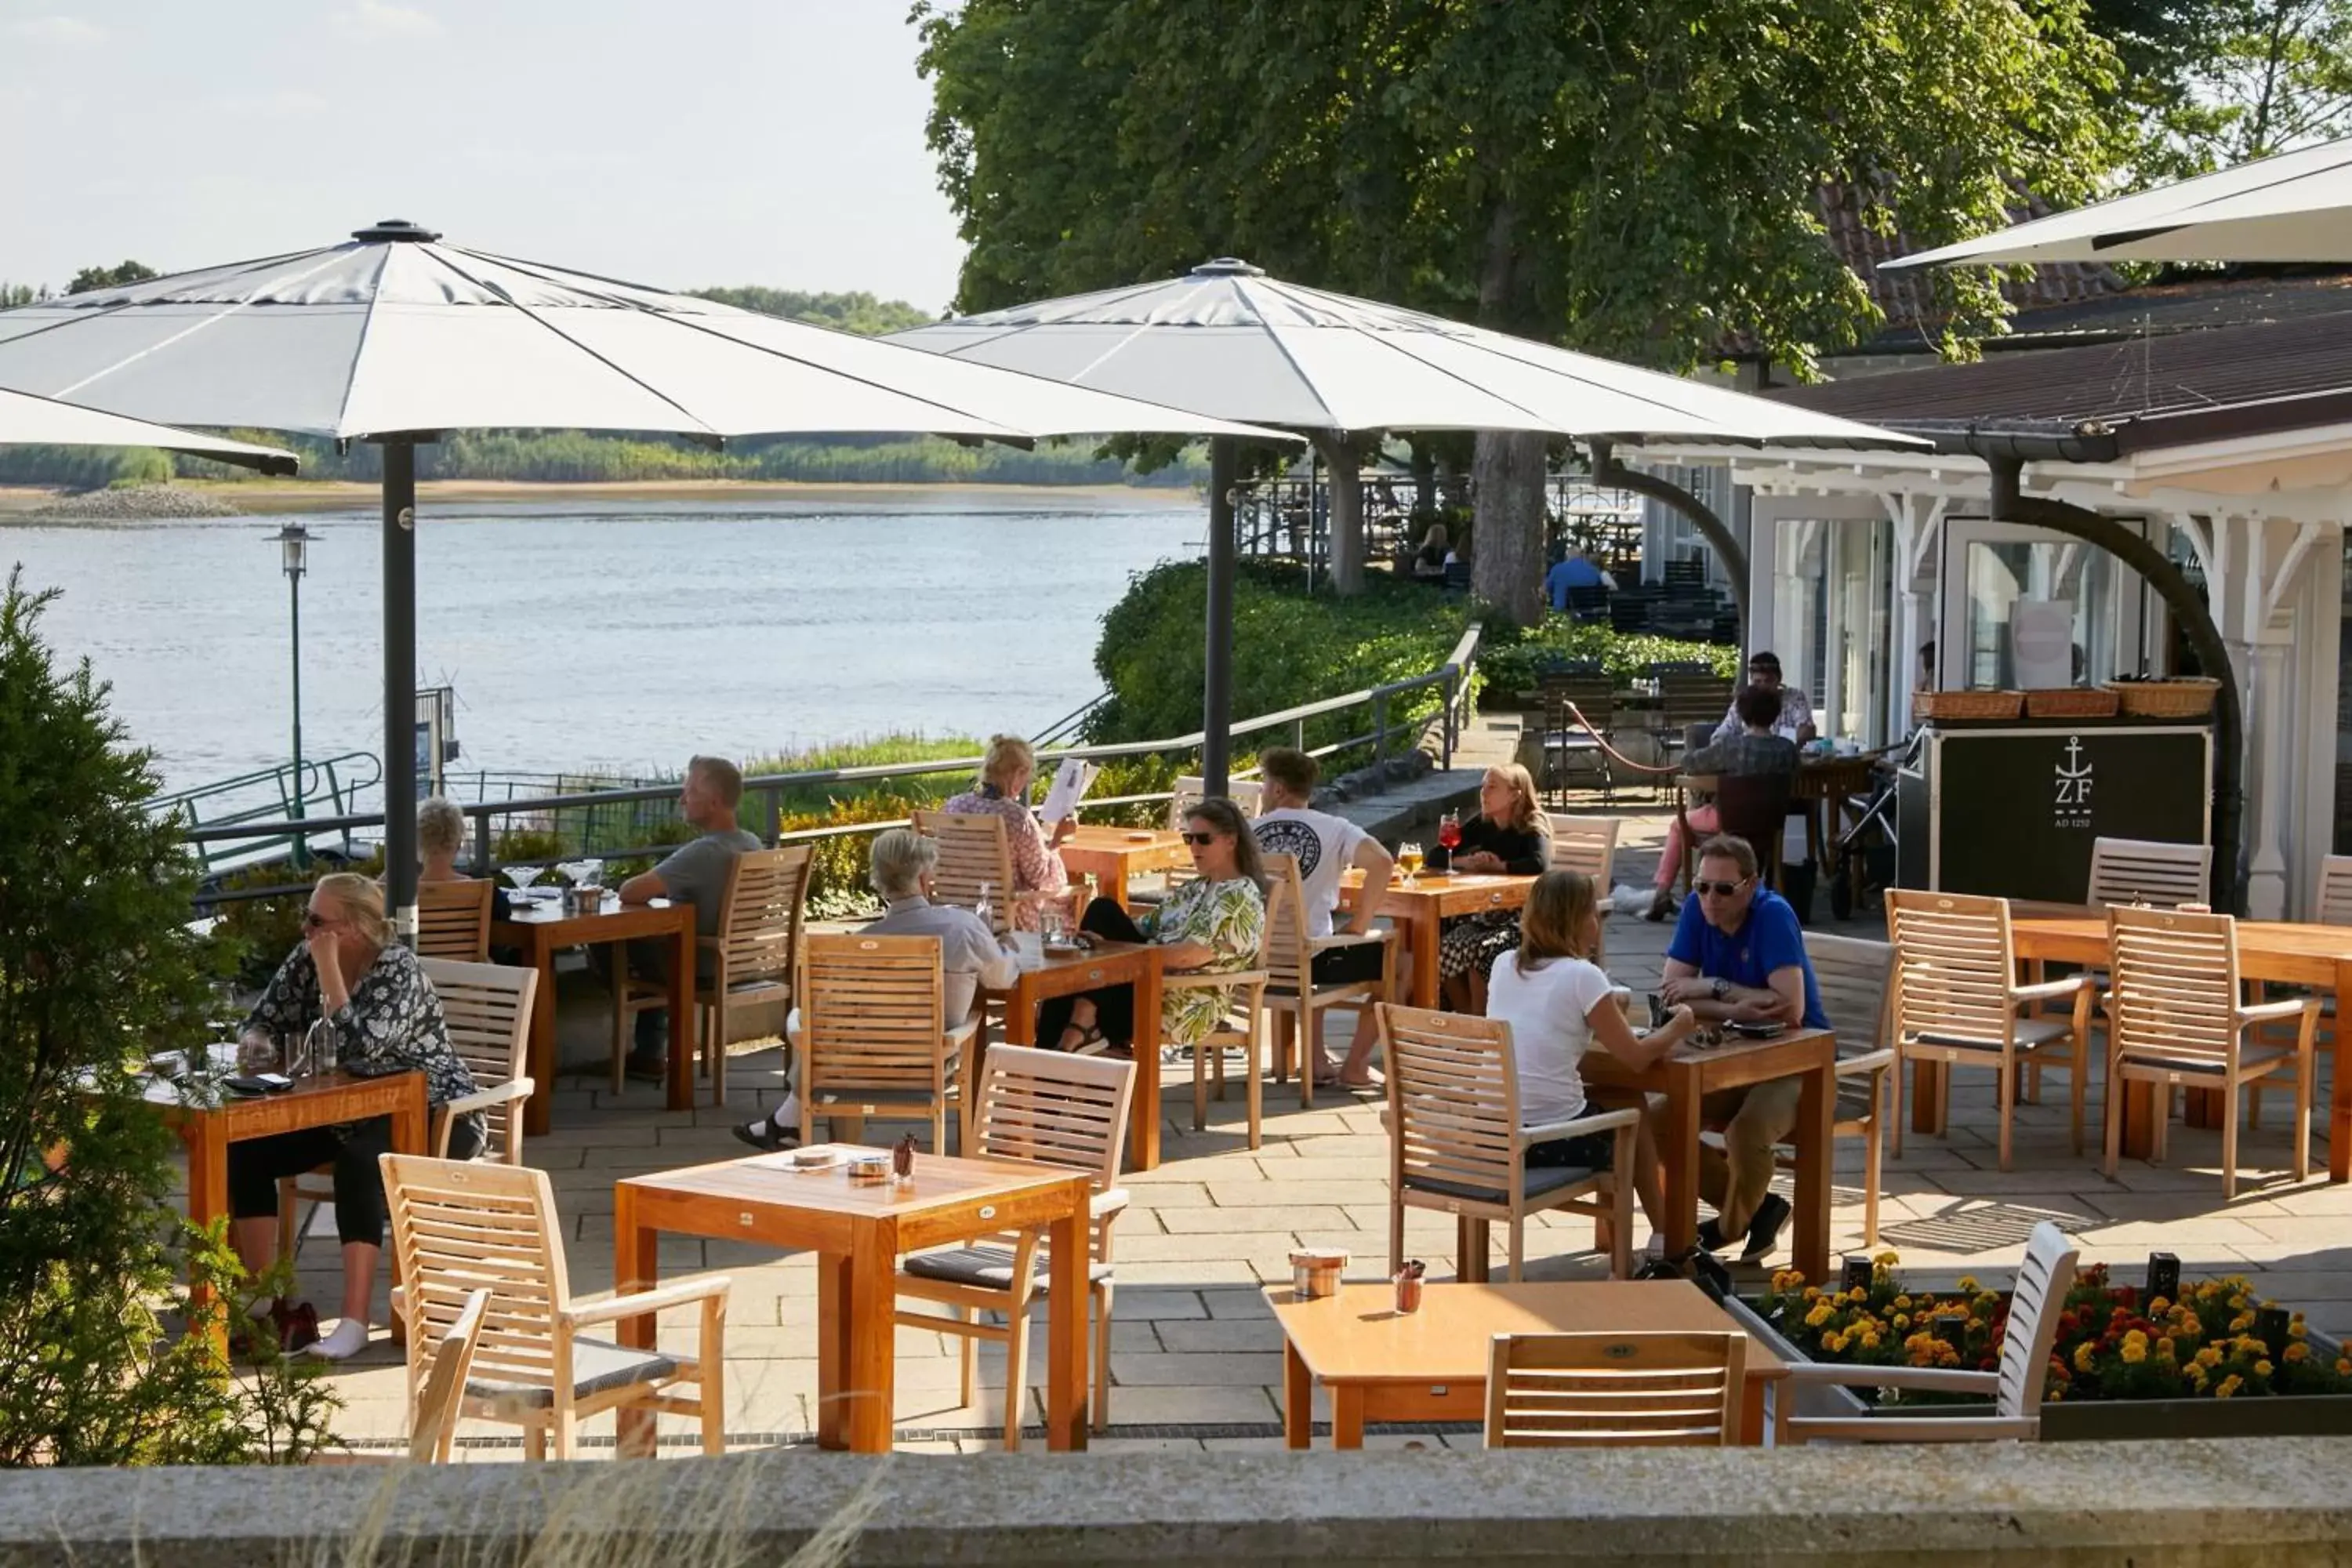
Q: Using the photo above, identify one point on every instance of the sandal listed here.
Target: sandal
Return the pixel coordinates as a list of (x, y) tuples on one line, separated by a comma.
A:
[(765, 1135), (1088, 1036)]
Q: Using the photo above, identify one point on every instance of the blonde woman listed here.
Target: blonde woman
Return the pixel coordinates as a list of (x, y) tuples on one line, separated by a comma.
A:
[(1005, 775), (1559, 1005), (1509, 835), (440, 839), (346, 980)]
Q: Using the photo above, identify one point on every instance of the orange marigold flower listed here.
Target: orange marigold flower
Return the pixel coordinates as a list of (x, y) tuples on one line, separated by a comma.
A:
[(2228, 1386)]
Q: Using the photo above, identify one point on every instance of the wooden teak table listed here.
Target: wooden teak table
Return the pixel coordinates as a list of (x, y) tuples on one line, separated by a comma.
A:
[(1692, 1072), (2287, 952), (1115, 853), (858, 1233), (1420, 907), (543, 936), (319, 1101), (1380, 1364), (1109, 964)]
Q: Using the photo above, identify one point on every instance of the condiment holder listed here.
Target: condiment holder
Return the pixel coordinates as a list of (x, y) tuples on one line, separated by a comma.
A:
[(1314, 1272)]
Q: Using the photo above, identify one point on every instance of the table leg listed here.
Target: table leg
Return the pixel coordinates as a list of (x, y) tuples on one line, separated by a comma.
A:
[(411, 1125), (1117, 891), (1066, 1308), (871, 1388), (1297, 1399), (1021, 1013), (833, 1339), (1926, 1093), (683, 1030), (1751, 1413), (1425, 926), (637, 1252), (536, 1111), (1678, 1153), (1346, 1415), (1144, 1109), (2142, 1106), (2339, 1101), (208, 1146), (1815, 1146)]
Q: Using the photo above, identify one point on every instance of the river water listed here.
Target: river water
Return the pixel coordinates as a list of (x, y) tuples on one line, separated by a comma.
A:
[(622, 635)]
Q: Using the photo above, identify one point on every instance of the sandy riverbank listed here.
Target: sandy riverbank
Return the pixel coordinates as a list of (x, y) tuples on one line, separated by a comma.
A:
[(316, 495)]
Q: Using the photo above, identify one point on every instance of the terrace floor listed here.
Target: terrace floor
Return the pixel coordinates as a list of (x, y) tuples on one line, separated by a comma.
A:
[(1195, 1356)]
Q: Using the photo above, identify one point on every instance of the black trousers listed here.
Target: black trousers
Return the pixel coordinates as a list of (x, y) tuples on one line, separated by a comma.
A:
[(1114, 1004), (256, 1165)]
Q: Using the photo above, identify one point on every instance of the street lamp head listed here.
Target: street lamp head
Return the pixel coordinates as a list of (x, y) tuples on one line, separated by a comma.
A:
[(294, 539)]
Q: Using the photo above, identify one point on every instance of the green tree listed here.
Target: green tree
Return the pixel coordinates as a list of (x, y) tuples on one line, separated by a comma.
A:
[(856, 311), (98, 969), (1637, 178), (115, 277), (2213, 82)]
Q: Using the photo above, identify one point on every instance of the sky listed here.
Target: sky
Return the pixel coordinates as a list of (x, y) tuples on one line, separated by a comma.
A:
[(680, 144)]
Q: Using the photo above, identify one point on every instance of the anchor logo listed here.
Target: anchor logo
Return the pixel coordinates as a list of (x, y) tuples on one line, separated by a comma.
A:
[(2071, 806)]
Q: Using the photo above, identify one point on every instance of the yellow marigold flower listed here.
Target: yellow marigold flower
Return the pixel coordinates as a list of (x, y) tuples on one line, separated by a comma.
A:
[(2137, 1334), (2238, 1302), (2164, 1348), (2228, 1386), (2135, 1350), (2241, 1322), (2196, 1378), (2343, 1366), (2211, 1356), (2295, 1330), (1901, 1303), (2192, 1325), (1813, 1293), (1819, 1315), (1833, 1344), (1857, 1294), (2083, 1353), (2263, 1369), (1969, 1283), (2299, 1352), (1902, 1320), (1869, 1341), (1888, 1258)]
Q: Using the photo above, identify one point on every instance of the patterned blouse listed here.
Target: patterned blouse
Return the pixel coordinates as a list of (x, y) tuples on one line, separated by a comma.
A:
[(1228, 917), (390, 1023), (1035, 868)]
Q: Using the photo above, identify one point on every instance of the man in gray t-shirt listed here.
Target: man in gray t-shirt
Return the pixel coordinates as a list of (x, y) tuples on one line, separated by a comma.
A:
[(693, 873)]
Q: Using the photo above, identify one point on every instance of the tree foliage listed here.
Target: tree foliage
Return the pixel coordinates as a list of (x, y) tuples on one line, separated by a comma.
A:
[(120, 275), (2209, 83), (856, 311)]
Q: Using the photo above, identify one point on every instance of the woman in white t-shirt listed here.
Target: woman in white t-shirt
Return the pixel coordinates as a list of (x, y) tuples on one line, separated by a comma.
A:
[(1559, 1005)]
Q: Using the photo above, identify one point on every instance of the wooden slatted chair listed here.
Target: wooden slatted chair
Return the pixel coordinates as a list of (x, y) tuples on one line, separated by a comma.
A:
[(1192, 788), (1240, 1029), (1455, 1145), (1956, 1000), (1855, 977), (2035, 1302), (458, 1227), (2175, 1019), (2333, 900), (1592, 692), (487, 1009), (2146, 871), (1051, 1109), (1646, 1390), (433, 1419), (751, 961), (1293, 1001), (874, 1025), (973, 852), (453, 920), (1589, 844)]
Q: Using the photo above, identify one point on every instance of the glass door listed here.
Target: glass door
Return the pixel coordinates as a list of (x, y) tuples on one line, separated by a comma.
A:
[(2030, 606)]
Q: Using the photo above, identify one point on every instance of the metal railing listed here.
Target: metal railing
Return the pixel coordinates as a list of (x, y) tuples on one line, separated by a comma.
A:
[(763, 793), (275, 798)]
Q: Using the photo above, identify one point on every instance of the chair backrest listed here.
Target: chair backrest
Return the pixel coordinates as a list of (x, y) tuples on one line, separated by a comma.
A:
[(2172, 983), (1586, 844), (460, 1227), (1592, 694), (2146, 871), (1054, 1108), (434, 1433), (973, 849), (453, 920), (1755, 806), (760, 924), (1691, 697), (1285, 950), (1192, 788), (1650, 1390), (2335, 897), (1454, 1098), (1954, 967), (488, 1007), (1854, 975), (873, 1015), (2035, 1302)]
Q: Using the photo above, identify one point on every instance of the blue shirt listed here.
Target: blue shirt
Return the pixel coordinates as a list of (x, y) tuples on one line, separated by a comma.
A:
[(1574, 572), (1768, 939)]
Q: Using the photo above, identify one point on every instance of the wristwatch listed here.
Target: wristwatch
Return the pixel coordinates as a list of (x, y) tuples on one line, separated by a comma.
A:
[(1721, 987)]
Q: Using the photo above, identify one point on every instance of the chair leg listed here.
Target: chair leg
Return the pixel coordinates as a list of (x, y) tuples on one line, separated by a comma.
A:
[(717, 1048), (1894, 1096), (1199, 1087), (1518, 1245), (969, 1349), (1396, 1237), (1017, 1386), (1944, 1099), (1873, 1137), (2305, 1073), (564, 1430), (1102, 1294), (1620, 1227), (2254, 1105), (534, 1444), (1310, 1049), (2228, 1141), (1254, 1089), (2008, 1108), (713, 1400), (2112, 1108)]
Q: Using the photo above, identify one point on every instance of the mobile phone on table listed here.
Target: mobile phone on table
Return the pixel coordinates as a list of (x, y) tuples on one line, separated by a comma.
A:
[(1657, 1012)]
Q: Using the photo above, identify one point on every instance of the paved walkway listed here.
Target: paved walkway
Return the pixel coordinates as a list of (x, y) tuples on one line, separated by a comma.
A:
[(1195, 1357)]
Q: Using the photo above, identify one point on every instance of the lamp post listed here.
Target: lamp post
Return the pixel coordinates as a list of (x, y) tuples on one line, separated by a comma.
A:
[(294, 543)]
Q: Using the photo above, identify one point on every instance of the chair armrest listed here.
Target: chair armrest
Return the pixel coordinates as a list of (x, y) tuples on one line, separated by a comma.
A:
[(645, 1303), (1868, 1062), (1348, 939), (2270, 1012), (1108, 1203), (2049, 989), (958, 1033), (1600, 1121), (506, 1093), (1192, 980), (1929, 1379)]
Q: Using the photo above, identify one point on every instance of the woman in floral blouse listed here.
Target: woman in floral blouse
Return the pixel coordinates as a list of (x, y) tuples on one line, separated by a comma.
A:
[(1212, 923), (1005, 774), (350, 981)]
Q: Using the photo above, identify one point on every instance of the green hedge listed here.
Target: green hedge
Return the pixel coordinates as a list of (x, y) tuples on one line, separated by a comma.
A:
[(1514, 665)]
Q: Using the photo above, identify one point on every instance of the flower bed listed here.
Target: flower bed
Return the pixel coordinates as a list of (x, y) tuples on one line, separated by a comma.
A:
[(2218, 1361)]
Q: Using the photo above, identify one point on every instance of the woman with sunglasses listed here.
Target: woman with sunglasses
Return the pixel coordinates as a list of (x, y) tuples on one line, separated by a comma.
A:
[(1510, 834), (349, 982), (1213, 922)]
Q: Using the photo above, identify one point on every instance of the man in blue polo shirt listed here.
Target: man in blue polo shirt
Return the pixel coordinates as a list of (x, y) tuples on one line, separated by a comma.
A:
[(1737, 954)]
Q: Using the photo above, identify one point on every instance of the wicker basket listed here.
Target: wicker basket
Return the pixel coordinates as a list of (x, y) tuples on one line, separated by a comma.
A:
[(2186, 698), (1967, 704), (2071, 702)]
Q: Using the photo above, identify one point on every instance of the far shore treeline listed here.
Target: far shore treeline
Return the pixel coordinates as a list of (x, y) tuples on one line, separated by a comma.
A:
[(567, 456)]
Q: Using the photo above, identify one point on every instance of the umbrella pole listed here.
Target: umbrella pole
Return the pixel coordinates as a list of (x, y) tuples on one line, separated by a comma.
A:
[(400, 684), (1217, 668)]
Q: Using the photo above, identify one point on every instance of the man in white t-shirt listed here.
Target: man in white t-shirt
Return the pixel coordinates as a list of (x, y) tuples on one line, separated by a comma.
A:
[(1325, 846)]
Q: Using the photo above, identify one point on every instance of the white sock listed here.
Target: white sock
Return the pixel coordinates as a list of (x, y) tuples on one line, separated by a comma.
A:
[(786, 1117), (350, 1338)]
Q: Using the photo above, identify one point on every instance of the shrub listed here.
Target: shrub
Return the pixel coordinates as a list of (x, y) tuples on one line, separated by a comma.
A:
[(1514, 664)]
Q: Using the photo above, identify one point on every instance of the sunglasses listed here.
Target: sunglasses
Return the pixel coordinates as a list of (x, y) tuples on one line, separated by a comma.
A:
[(1197, 839), (313, 921), (1719, 890)]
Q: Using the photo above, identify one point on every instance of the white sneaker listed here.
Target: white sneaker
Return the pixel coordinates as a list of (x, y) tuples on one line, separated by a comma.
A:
[(350, 1338)]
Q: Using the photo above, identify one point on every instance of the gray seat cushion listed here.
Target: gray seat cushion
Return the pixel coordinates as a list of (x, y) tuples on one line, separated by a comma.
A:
[(596, 1367), (988, 1266), (1533, 1183), (2031, 1032)]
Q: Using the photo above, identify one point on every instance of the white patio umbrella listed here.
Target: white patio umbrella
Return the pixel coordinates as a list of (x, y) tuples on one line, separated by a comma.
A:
[(30, 421), (2294, 206), (1227, 339), (394, 337)]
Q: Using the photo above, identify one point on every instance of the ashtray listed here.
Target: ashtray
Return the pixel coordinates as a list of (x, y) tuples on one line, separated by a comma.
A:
[(869, 1173), (814, 1159), (1138, 838)]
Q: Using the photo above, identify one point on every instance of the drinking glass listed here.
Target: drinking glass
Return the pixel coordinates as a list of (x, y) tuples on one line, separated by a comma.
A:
[(1409, 860), (520, 876), (1449, 830)]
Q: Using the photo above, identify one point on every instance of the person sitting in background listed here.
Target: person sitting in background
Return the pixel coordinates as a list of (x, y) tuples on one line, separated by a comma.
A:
[(1796, 720), (1755, 751), (1429, 560), (1559, 1005), (1509, 835), (1325, 846), (903, 868), (1575, 570), (1005, 774), (1738, 954), (1213, 922), (440, 839), (694, 873), (348, 979)]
